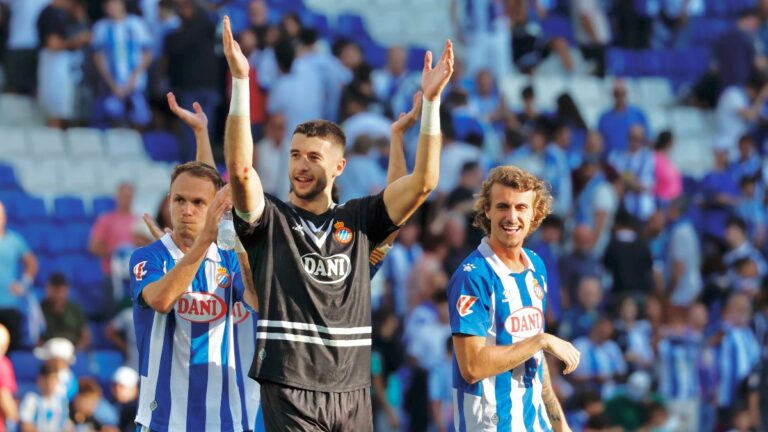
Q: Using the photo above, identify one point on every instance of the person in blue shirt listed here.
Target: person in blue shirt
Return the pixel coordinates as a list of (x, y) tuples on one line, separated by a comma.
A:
[(615, 123), (497, 298)]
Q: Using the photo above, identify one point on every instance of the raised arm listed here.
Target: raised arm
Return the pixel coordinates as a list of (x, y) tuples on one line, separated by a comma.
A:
[(397, 167), (247, 192), (406, 194), (198, 121), (478, 361)]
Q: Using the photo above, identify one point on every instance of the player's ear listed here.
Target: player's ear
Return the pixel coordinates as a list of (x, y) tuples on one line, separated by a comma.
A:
[(340, 167)]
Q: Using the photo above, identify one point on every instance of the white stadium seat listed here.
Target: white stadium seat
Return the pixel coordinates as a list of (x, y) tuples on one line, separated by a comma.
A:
[(85, 142), (14, 143), (46, 142), (125, 144), (17, 110)]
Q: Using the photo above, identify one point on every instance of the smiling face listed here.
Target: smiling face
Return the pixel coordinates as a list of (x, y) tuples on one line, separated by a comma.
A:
[(511, 215), (314, 164), (190, 197)]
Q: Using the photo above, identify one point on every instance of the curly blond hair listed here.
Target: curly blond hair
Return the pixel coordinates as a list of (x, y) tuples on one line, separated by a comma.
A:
[(519, 180)]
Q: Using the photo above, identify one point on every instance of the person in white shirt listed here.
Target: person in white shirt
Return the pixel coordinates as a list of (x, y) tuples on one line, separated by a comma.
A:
[(592, 31), (737, 111), (20, 59)]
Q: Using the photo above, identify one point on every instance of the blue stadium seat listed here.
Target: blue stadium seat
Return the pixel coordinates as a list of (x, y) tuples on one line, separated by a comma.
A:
[(79, 234), (31, 209), (25, 365), (90, 274), (45, 268), (287, 5), (102, 204), (416, 58), (352, 27), (8, 179), (104, 363), (706, 30), (162, 146), (68, 209), (556, 25), (11, 199), (35, 235), (90, 298), (98, 336), (465, 126), (317, 22), (374, 54), (82, 366), (66, 264)]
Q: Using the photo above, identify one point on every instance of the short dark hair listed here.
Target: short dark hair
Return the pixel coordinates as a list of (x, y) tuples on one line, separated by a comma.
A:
[(323, 129), (736, 222), (527, 92), (57, 279), (199, 170), (664, 140), (47, 369), (88, 387)]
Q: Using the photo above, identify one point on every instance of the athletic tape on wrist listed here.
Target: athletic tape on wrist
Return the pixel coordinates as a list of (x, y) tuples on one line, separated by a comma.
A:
[(240, 105), (430, 117)]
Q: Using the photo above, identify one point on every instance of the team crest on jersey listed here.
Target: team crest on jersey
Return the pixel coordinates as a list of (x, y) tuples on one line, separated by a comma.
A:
[(464, 305), (341, 233), (525, 322), (538, 289), (239, 313), (200, 307), (138, 271), (223, 280)]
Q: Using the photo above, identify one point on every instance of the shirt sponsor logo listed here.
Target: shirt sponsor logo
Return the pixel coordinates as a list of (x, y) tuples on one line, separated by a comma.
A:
[(239, 313), (326, 270), (464, 305), (200, 307), (342, 234), (525, 322), (138, 271)]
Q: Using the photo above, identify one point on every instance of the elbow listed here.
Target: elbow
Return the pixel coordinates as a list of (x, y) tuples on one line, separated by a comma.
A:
[(470, 373), (159, 304), (427, 184), (239, 171)]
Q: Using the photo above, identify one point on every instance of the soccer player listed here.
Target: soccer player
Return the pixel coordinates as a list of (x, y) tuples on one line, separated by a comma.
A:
[(497, 304), (310, 259), (184, 288)]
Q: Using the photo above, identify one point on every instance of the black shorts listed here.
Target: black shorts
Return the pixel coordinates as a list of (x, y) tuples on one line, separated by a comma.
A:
[(292, 409)]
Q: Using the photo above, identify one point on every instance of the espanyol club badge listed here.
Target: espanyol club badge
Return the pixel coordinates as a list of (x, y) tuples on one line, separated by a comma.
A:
[(341, 233), (223, 280), (537, 289)]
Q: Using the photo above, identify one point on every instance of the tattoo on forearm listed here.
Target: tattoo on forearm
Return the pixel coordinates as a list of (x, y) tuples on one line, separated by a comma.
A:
[(554, 411)]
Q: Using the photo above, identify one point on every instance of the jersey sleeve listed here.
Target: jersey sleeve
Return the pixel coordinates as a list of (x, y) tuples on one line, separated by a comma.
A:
[(28, 408), (248, 233), (145, 267), (469, 304), (376, 223), (237, 276)]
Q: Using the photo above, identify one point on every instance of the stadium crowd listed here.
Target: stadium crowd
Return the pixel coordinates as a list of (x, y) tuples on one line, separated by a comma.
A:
[(658, 279)]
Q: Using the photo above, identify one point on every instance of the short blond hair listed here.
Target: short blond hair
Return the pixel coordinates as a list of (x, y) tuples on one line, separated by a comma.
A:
[(519, 180)]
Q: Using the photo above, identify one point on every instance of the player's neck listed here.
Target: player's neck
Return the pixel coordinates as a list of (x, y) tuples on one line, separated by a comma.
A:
[(317, 205), (514, 258), (182, 242)]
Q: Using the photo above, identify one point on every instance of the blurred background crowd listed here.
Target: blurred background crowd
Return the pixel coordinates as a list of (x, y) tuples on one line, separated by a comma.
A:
[(647, 118)]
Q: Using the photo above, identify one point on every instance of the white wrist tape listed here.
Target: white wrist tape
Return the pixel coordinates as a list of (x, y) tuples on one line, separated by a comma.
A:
[(240, 105), (253, 216), (430, 117)]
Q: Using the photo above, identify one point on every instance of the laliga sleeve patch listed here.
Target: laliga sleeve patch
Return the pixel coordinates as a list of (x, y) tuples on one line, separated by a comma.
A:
[(138, 271), (464, 305)]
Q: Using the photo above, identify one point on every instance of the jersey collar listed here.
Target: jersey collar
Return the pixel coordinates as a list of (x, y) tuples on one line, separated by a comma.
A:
[(177, 254), (498, 265)]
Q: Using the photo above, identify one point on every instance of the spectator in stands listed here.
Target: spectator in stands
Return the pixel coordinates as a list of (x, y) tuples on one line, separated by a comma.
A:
[(83, 407), (63, 318), (388, 80), (453, 156), (122, 63), (738, 109), (669, 181), (55, 75), (9, 409), (580, 318), (628, 258), (21, 58), (363, 119), (121, 333), (634, 335), (190, 48), (739, 352), (529, 117), (740, 247), (615, 123), (426, 338), (405, 253), (633, 24), (580, 263), (603, 361), (483, 28), (672, 27), (268, 154), (61, 354), (530, 44), (748, 162), (486, 100), (386, 359), (441, 391), (637, 170), (679, 350), (48, 410), (18, 268), (348, 52), (683, 256), (113, 229), (719, 194), (592, 31), (363, 175), (597, 202), (125, 392), (734, 51), (751, 210)]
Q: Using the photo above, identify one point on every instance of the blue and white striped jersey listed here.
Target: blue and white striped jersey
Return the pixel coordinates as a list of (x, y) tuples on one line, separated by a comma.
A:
[(487, 300), (678, 366), (245, 346), (46, 414), (187, 358), (738, 354)]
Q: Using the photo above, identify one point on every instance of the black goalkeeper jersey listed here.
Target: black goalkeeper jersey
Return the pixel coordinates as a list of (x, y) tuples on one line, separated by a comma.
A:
[(312, 276)]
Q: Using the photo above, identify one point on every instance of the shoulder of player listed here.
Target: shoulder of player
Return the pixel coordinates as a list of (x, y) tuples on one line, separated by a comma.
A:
[(474, 268), (153, 250), (536, 261)]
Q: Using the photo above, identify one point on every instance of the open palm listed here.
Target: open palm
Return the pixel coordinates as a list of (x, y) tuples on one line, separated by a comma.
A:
[(196, 120), (238, 63), (434, 80), (408, 120)]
